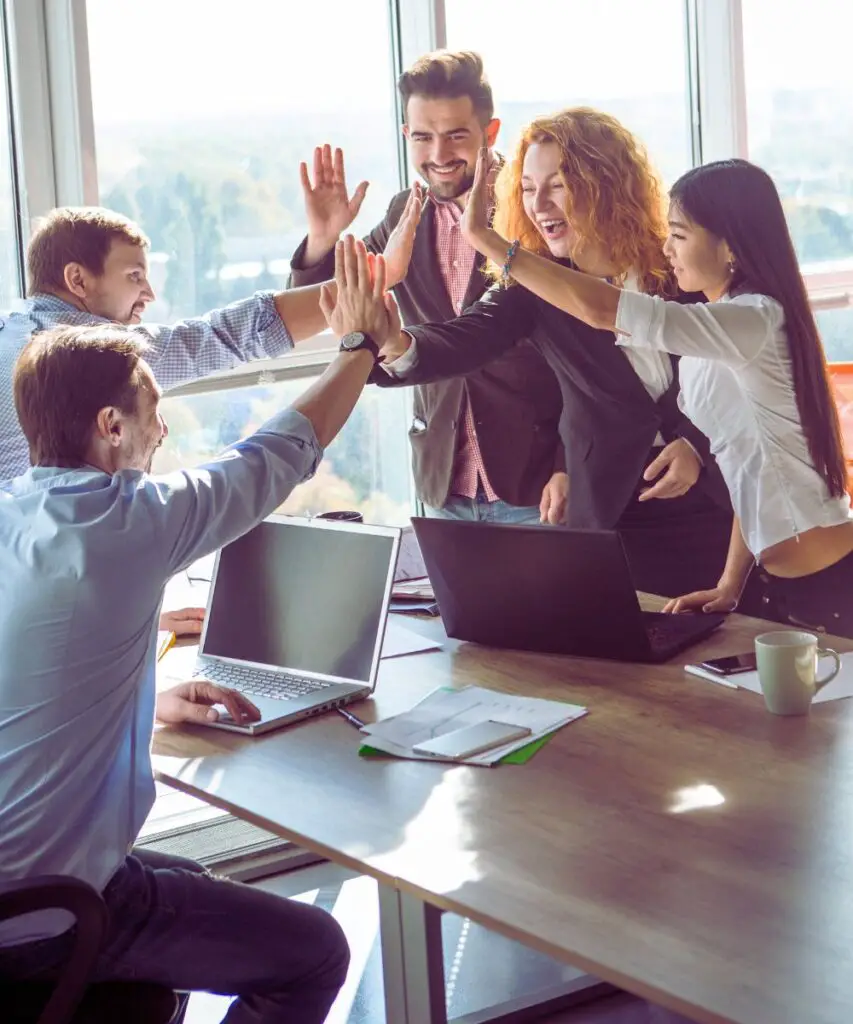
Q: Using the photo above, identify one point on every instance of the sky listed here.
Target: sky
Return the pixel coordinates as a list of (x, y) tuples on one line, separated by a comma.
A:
[(227, 57), (224, 57)]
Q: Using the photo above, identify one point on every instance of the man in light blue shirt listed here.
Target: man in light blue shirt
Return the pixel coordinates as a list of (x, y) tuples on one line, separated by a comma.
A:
[(88, 539)]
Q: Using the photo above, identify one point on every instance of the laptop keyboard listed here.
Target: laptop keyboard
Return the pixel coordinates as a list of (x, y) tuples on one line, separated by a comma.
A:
[(256, 681), (667, 630)]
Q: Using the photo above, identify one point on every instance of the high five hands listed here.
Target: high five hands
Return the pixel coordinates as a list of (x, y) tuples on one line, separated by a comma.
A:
[(330, 209), (359, 300)]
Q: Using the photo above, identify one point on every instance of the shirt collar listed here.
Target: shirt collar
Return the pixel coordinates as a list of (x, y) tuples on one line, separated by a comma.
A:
[(44, 302), (44, 478)]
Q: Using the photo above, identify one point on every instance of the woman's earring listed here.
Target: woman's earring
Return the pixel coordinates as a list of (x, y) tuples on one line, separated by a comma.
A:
[(731, 266)]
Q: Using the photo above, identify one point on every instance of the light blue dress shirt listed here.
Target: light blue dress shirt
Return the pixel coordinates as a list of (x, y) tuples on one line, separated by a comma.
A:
[(84, 558), (185, 351)]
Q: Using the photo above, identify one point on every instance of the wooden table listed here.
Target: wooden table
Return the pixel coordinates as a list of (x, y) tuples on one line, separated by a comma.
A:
[(679, 841)]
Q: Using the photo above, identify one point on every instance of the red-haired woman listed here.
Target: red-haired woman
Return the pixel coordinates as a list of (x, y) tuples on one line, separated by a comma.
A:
[(580, 191), (753, 378)]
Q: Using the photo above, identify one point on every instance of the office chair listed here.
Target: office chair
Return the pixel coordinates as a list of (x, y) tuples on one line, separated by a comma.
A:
[(71, 999)]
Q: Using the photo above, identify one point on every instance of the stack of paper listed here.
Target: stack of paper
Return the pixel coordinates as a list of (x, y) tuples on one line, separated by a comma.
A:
[(414, 589), (445, 710)]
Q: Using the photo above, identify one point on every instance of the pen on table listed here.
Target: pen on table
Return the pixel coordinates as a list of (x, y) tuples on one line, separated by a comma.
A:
[(351, 718), (710, 678)]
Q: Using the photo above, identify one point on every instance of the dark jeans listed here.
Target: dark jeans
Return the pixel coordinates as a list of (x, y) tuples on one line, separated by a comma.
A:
[(173, 923), (675, 545), (821, 602)]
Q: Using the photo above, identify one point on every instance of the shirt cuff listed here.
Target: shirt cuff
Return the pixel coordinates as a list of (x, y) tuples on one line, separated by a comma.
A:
[(405, 363), (681, 437), (634, 316), (273, 335)]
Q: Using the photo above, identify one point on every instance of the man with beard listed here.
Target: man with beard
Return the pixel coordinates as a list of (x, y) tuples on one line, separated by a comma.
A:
[(486, 446)]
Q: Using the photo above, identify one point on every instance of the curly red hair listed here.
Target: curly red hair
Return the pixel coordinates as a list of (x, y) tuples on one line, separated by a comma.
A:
[(615, 197)]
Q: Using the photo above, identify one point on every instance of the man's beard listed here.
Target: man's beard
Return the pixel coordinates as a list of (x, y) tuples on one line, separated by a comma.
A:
[(450, 189)]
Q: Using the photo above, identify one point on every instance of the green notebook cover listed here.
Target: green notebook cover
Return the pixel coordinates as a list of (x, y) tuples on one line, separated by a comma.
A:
[(520, 756)]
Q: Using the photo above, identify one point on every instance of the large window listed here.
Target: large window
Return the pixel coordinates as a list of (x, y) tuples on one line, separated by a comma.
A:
[(799, 90), (623, 56), (203, 111), (366, 468), (199, 138), (10, 278)]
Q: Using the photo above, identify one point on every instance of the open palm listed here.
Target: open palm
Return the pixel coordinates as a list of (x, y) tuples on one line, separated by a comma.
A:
[(328, 206), (398, 248)]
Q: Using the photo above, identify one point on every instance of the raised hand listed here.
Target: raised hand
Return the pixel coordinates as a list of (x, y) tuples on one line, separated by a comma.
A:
[(328, 206), (359, 300), (398, 248), (475, 219)]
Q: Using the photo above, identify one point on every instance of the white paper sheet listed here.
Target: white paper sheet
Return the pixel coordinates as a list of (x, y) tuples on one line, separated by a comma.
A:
[(840, 687), (400, 640), (444, 710)]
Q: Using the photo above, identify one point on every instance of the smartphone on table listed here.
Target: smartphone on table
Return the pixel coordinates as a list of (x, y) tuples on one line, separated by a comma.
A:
[(731, 665)]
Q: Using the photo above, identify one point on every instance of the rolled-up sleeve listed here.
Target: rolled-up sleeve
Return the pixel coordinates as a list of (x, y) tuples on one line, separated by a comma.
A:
[(222, 339), (732, 331), (198, 510)]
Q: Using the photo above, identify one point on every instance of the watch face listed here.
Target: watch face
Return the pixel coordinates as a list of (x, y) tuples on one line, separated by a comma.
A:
[(352, 340)]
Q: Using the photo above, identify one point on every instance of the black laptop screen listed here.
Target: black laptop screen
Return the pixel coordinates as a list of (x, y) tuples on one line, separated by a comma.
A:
[(302, 597)]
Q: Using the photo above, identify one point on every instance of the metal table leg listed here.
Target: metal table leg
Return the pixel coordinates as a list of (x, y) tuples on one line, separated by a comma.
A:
[(413, 972)]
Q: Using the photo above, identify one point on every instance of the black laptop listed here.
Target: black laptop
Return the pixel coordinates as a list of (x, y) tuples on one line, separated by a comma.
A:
[(549, 589)]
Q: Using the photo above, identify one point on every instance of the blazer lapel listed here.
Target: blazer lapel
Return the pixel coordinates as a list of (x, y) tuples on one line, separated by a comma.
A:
[(477, 282), (425, 263)]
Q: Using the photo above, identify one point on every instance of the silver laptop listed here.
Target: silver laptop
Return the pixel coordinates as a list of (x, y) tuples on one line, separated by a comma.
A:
[(296, 617)]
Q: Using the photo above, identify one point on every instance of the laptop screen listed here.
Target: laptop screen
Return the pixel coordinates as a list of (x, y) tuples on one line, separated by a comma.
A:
[(305, 597)]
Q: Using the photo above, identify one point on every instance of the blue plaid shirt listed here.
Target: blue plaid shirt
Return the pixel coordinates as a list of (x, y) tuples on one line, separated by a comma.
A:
[(245, 330)]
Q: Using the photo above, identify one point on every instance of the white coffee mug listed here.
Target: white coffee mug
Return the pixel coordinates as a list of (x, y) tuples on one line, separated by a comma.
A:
[(787, 669)]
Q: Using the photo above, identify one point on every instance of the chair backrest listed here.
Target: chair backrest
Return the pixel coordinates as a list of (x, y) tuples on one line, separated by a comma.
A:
[(56, 892)]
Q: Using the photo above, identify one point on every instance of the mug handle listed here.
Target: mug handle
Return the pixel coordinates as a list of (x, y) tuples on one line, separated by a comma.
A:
[(827, 652)]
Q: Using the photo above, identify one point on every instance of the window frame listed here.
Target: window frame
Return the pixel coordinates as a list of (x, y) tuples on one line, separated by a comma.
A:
[(8, 70), (723, 122)]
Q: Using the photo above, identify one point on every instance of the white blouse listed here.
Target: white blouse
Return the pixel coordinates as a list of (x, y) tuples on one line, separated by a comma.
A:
[(737, 387)]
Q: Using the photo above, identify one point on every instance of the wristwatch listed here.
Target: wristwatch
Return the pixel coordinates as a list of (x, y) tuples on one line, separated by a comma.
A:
[(355, 340)]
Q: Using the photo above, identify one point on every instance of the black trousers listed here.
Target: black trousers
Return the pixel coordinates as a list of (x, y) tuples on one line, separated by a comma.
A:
[(173, 923), (675, 545), (821, 602)]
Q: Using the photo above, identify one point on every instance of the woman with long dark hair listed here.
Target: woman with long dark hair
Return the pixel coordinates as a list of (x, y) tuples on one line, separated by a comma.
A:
[(753, 379)]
